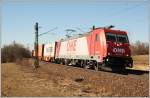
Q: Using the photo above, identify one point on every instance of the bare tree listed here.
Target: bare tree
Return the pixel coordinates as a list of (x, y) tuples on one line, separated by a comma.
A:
[(140, 48)]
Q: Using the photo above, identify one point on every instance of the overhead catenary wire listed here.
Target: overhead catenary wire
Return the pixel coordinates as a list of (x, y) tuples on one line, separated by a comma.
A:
[(122, 11), (117, 14), (114, 14), (48, 31), (80, 30)]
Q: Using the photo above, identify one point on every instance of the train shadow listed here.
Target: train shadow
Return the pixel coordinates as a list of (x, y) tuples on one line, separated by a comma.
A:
[(125, 71), (120, 71), (114, 70), (129, 71), (137, 72)]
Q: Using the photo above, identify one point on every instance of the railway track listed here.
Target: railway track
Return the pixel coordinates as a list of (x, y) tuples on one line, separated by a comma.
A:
[(111, 69)]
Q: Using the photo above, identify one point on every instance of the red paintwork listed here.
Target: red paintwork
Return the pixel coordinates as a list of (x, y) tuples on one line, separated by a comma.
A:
[(112, 45), (40, 51), (57, 48), (115, 31), (97, 47), (101, 48)]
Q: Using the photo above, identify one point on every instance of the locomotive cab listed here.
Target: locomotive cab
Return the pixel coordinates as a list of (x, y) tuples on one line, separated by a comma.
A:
[(118, 48)]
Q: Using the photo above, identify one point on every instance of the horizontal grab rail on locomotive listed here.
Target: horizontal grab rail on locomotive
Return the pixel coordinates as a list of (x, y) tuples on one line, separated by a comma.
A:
[(97, 48)]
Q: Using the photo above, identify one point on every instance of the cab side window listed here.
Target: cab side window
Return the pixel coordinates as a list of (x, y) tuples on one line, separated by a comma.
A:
[(96, 38)]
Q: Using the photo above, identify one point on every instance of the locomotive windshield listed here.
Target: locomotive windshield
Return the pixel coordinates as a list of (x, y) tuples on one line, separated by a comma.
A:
[(111, 37), (117, 37), (122, 38)]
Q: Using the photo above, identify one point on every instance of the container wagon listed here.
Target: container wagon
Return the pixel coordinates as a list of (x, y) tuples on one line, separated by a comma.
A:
[(40, 52), (49, 52)]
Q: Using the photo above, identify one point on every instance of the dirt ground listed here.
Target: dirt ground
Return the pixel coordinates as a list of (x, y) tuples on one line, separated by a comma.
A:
[(60, 80)]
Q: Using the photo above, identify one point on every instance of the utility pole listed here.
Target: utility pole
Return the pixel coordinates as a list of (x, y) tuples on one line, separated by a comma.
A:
[(36, 60)]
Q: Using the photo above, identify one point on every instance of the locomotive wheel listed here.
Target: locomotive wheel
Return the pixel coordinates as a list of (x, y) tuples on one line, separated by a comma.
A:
[(81, 64), (62, 62), (96, 66), (86, 66), (123, 69), (57, 61), (67, 62)]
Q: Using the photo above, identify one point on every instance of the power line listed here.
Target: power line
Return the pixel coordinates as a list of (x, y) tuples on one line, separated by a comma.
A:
[(117, 13), (48, 31), (80, 30)]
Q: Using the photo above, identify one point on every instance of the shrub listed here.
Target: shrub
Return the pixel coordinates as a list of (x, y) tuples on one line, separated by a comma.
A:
[(13, 52)]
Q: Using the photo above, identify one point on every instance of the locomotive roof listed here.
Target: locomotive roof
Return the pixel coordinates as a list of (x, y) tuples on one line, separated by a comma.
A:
[(105, 30), (112, 30), (75, 36), (115, 31)]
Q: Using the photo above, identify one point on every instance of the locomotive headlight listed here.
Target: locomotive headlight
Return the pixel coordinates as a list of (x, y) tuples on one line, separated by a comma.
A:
[(108, 53), (107, 59)]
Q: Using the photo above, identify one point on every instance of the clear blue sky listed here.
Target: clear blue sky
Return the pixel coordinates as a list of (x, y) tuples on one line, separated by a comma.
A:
[(18, 19)]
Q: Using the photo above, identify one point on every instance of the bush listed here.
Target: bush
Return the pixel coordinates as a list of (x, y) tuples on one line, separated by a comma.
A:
[(13, 52), (140, 48)]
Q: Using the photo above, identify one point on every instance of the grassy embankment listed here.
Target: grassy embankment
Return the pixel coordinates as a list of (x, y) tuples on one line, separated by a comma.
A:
[(141, 62)]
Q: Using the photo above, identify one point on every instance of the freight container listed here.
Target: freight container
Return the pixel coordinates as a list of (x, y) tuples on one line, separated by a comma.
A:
[(49, 50), (40, 51)]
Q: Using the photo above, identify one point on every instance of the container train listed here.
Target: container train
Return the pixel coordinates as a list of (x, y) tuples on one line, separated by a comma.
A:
[(101, 47)]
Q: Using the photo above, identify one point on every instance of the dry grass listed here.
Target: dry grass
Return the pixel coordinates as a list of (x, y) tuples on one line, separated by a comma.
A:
[(141, 62), (18, 83), (59, 80), (141, 59)]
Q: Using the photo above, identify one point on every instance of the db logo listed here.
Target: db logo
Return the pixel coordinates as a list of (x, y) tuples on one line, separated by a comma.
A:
[(118, 50), (71, 45)]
